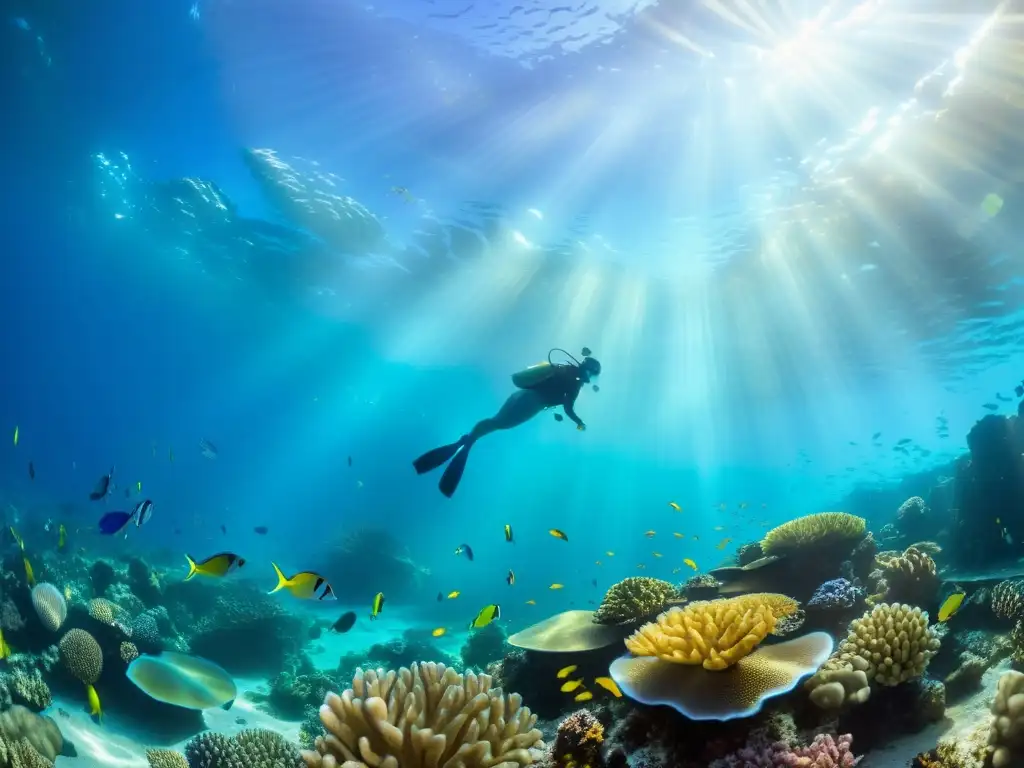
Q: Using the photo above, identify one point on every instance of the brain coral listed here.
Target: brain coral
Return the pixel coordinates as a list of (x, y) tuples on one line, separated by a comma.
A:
[(103, 610), (81, 655), (1007, 733), (715, 633), (823, 529), (430, 711), (50, 605), (894, 640), (634, 598)]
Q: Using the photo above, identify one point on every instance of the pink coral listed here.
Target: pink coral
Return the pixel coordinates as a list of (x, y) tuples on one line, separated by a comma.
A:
[(823, 752)]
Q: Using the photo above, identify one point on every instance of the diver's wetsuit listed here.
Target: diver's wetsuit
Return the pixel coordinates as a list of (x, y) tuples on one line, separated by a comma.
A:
[(562, 388)]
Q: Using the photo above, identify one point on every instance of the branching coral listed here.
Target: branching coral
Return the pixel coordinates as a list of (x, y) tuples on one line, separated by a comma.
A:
[(821, 530), (428, 716), (635, 598), (823, 752), (1007, 733), (894, 640), (30, 689), (715, 634)]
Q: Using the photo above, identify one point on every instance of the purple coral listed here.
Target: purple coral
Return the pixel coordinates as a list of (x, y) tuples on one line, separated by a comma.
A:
[(836, 594), (823, 752)]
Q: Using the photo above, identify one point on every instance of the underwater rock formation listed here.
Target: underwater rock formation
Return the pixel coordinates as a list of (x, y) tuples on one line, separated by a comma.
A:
[(701, 586), (634, 599), (365, 726), (580, 743), (18, 724)]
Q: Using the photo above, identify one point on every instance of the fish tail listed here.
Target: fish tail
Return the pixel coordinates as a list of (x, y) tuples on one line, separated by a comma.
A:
[(282, 580), (192, 570)]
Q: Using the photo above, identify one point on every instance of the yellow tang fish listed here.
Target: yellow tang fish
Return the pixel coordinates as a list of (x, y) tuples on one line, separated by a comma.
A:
[(453, 594), (656, 554), (95, 710), (564, 672), (531, 602), (15, 435), (570, 686), (678, 535), (62, 536), (508, 534), (487, 614), (558, 534), (29, 576), (377, 605), (689, 562), (305, 585), (5, 649), (609, 553), (609, 685), (556, 585), (438, 632), (951, 605), (215, 566), (650, 534), (723, 544), (675, 506), (584, 696)]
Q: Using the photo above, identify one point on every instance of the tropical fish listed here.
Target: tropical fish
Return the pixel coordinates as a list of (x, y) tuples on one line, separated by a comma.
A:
[(609, 553), (62, 536), (570, 686), (487, 614), (95, 710), (531, 602), (695, 537), (138, 487), (439, 632), (743, 505), (17, 539), (465, 549), (609, 685), (597, 562), (650, 534), (723, 544), (641, 566), (656, 554), (511, 578), (583, 696), (564, 672), (508, 534), (5, 649), (556, 585), (675, 506), (185, 681), (690, 563), (951, 605), (31, 471), (558, 534), (29, 576), (377, 606), (208, 449), (262, 530), (103, 486), (142, 512), (216, 565), (114, 522), (305, 585), (344, 623), (678, 535), (453, 594), (719, 528), (15, 435)]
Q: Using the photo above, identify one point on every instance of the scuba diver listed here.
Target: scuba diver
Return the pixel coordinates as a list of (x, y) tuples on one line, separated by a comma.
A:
[(541, 386)]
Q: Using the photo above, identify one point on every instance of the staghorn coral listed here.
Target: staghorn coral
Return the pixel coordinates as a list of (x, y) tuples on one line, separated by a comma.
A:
[(1006, 736), (103, 611), (81, 655), (50, 606), (1008, 599), (633, 599), (824, 752), (252, 748), (578, 741), (429, 716), (894, 640), (910, 576), (821, 530), (165, 758), (715, 634), (129, 652)]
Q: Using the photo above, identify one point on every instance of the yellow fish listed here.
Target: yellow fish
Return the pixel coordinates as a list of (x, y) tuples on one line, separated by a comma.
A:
[(564, 672), (95, 710), (138, 487), (675, 506), (584, 696), (558, 534), (305, 585), (689, 562), (609, 685), (377, 605), (215, 566), (531, 602), (678, 535), (18, 539), (556, 585), (5, 649), (29, 576), (62, 536), (508, 534), (15, 435), (650, 534), (656, 554), (723, 544), (609, 553), (439, 632), (951, 605), (453, 594), (570, 686), (487, 614)]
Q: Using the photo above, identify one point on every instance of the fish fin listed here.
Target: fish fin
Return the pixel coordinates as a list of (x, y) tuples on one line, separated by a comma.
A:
[(192, 570), (282, 580), (228, 706)]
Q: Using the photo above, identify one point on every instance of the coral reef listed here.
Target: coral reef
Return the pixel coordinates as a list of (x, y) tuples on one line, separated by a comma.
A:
[(1008, 599), (414, 645), (633, 599), (102, 575), (840, 682), (484, 646), (824, 752), (567, 632), (578, 741), (81, 655), (836, 595), (50, 605), (894, 640), (252, 748), (429, 709), (823, 530), (1007, 734), (165, 758), (129, 652), (908, 577), (40, 733), (701, 586)]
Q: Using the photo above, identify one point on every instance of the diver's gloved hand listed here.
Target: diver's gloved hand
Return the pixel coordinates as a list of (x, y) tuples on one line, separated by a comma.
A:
[(581, 427)]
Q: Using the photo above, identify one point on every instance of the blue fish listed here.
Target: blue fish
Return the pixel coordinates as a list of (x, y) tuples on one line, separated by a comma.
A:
[(113, 522)]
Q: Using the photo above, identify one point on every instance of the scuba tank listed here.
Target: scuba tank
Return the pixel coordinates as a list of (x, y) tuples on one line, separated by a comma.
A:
[(533, 375)]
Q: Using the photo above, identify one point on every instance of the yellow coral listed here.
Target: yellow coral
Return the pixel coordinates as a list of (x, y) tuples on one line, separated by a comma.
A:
[(821, 529), (894, 640), (715, 634)]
